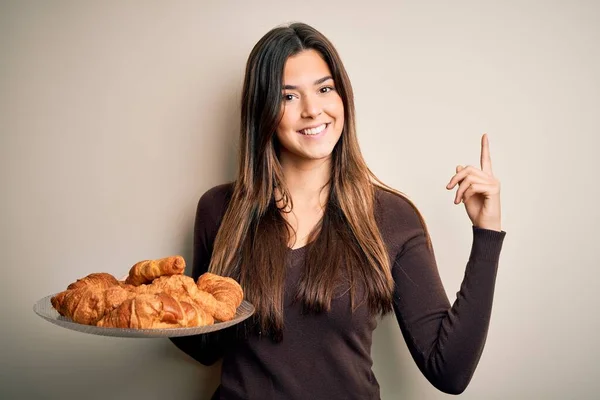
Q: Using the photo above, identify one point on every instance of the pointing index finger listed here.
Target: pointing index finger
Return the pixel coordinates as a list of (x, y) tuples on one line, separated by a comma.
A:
[(486, 161)]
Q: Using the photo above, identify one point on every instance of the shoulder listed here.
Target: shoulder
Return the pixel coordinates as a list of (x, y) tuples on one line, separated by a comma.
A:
[(398, 219), (217, 194), (396, 208), (214, 201)]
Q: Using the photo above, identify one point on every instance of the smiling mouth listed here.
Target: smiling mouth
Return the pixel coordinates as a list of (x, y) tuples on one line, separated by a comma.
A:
[(314, 131)]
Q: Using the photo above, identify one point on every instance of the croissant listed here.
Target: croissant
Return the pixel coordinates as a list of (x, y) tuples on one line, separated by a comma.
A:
[(226, 290), (148, 270), (182, 287), (220, 296), (88, 304), (101, 279), (155, 311), (155, 294)]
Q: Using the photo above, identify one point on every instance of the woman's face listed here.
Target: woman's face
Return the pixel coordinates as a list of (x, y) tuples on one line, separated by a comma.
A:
[(313, 111)]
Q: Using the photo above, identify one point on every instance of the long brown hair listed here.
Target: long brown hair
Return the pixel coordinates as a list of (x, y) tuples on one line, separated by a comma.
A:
[(252, 242)]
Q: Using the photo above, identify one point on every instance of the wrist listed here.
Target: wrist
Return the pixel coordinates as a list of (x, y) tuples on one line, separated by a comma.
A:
[(490, 227)]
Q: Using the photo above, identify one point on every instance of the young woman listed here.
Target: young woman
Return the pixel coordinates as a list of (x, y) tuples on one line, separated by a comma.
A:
[(322, 248)]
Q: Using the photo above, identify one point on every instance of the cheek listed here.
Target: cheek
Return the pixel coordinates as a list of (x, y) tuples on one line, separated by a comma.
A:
[(336, 110), (286, 123), (284, 129)]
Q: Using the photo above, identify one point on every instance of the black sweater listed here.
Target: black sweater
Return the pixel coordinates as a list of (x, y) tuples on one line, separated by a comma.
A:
[(327, 356)]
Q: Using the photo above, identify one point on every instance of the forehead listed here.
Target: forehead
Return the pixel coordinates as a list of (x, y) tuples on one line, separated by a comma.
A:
[(305, 68)]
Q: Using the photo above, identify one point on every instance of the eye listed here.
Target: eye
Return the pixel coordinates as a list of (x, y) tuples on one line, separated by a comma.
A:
[(326, 89), (288, 97)]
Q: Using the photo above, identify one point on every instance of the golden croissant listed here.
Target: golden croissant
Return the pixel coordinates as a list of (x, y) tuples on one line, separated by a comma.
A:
[(227, 291), (154, 311), (88, 304), (182, 287), (99, 279), (148, 270), (155, 294)]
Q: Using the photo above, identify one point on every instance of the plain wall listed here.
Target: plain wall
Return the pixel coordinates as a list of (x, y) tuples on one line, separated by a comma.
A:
[(116, 116)]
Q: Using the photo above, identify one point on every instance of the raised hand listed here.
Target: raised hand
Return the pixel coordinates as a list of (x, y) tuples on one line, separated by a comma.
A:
[(479, 191)]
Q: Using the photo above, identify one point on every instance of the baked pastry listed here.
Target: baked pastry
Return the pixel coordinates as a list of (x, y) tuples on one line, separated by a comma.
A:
[(155, 294), (155, 311), (182, 287), (226, 290), (148, 270), (99, 279), (88, 304)]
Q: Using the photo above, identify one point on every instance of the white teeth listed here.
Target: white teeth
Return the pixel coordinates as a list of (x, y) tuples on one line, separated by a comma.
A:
[(313, 131)]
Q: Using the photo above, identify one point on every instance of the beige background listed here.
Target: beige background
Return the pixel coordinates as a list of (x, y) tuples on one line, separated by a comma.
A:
[(116, 116)]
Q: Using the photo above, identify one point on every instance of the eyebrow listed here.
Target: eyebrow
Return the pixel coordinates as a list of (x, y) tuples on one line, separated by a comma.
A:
[(317, 82)]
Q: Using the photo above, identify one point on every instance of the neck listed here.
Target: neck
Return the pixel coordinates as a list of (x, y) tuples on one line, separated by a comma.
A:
[(305, 179)]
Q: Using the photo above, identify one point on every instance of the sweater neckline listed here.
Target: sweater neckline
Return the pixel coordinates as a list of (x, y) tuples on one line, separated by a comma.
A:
[(298, 252)]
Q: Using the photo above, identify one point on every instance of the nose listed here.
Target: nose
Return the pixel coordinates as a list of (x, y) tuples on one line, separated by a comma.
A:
[(311, 107)]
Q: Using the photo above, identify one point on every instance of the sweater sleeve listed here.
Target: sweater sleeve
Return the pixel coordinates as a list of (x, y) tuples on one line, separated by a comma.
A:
[(446, 341), (206, 348)]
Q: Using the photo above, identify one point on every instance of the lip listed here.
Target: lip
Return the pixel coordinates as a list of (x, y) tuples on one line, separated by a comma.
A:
[(314, 126), (318, 135)]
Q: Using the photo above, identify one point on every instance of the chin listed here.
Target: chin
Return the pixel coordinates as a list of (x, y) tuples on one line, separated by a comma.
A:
[(308, 157), (320, 156)]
